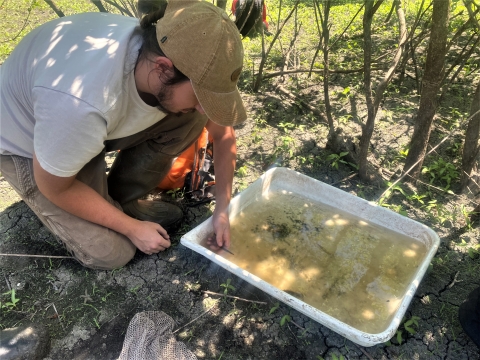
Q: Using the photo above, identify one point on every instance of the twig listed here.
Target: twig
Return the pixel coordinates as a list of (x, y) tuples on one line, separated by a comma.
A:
[(58, 316), (344, 179), (454, 280), (55, 8), (295, 336), (39, 256), (294, 97), (364, 352), (234, 297), (23, 26), (56, 313), (296, 71), (198, 317), (294, 323), (473, 180), (430, 185), (8, 284)]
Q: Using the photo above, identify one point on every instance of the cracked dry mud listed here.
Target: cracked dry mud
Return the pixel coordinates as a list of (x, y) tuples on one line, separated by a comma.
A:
[(95, 307)]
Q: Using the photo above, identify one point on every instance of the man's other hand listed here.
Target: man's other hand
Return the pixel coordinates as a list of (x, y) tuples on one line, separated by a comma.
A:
[(149, 237)]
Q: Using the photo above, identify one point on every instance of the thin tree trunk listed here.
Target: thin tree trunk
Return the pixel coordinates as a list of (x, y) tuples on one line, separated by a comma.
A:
[(434, 70), (291, 47), (470, 147), (320, 37), (275, 37), (367, 80), (326, 92), (464, 59), (373, 104), (410, 44)]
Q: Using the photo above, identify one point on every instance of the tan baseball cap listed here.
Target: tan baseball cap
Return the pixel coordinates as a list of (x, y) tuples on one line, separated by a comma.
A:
[(205, 45)]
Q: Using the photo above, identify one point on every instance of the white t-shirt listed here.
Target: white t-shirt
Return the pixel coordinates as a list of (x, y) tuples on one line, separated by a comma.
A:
[(69, 86)]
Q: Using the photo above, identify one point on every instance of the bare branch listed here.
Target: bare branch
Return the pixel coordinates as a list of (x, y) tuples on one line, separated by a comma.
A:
[(55, 8), (471, 13), (233, 297), (99, 5)]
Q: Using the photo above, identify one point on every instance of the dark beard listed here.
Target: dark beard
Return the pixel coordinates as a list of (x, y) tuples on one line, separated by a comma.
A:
[(164, 95)]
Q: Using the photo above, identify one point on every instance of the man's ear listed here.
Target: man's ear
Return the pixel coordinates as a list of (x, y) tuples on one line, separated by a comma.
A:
[(163, 66)]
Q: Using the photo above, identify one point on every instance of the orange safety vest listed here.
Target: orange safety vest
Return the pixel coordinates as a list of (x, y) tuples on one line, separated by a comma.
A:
[(188, 161)]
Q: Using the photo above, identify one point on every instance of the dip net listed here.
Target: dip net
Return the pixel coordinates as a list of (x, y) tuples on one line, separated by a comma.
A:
[(149, 337)]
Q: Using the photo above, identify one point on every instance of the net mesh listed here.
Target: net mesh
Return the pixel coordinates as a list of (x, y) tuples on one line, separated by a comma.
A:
[(149, 337)]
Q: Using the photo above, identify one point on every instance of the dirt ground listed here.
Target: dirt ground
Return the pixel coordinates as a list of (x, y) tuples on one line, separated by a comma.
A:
[(87, 312)]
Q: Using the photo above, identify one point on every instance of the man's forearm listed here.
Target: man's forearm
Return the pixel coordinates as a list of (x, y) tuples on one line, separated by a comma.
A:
[(225, 152), (81, 200), (84, 202)]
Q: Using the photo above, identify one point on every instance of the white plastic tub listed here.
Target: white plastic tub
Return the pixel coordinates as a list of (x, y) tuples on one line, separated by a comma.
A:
[(290, 181)]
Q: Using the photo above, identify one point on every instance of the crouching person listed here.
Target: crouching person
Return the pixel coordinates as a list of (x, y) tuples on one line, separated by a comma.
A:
[(80, 86)]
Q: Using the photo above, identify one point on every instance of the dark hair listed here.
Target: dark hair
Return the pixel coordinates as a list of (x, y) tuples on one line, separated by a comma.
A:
[(150, 43)]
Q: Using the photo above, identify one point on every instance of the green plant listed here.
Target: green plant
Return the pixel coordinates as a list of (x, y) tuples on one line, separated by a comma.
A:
[(286, 126), (473, 251), (186, 335), (260, 121), (345, 118), (336, 159), (287, 145), (335, 357), (402, 154), (397, 208), (441, 170), (96, 323), (410, 326), (227, 286), (256, 137), (345, 93), (135, 289), (396, 187), (242, 171), (466, 216), (176, 193), (274, 308), (416, 197), (437, 212), (285, 319), (360, 192), (104, 298), (9, 305)]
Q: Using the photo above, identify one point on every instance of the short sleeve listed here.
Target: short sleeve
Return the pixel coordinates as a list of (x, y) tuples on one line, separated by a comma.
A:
[(68, 132)]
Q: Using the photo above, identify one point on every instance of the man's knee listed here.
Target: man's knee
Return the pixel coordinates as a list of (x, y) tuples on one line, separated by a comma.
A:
[(110, 253)]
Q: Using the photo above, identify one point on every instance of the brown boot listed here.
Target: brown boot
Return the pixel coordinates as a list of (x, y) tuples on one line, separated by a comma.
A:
[(160, 212)]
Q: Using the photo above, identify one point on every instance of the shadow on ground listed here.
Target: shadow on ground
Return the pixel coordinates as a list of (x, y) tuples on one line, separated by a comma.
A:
[(87, 312)]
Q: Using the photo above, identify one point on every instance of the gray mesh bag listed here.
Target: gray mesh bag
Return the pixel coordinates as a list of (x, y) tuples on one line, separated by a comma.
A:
[(149, 337)]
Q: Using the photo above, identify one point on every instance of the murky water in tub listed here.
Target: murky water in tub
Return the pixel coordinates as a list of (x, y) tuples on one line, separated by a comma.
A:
[(352, 270)]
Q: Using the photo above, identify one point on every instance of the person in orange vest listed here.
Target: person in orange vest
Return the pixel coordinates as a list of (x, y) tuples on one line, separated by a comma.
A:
[(250, 15), (80, 86), (190, 162)]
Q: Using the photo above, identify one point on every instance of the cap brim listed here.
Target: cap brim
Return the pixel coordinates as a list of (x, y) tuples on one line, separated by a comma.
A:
[(224, 109)]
